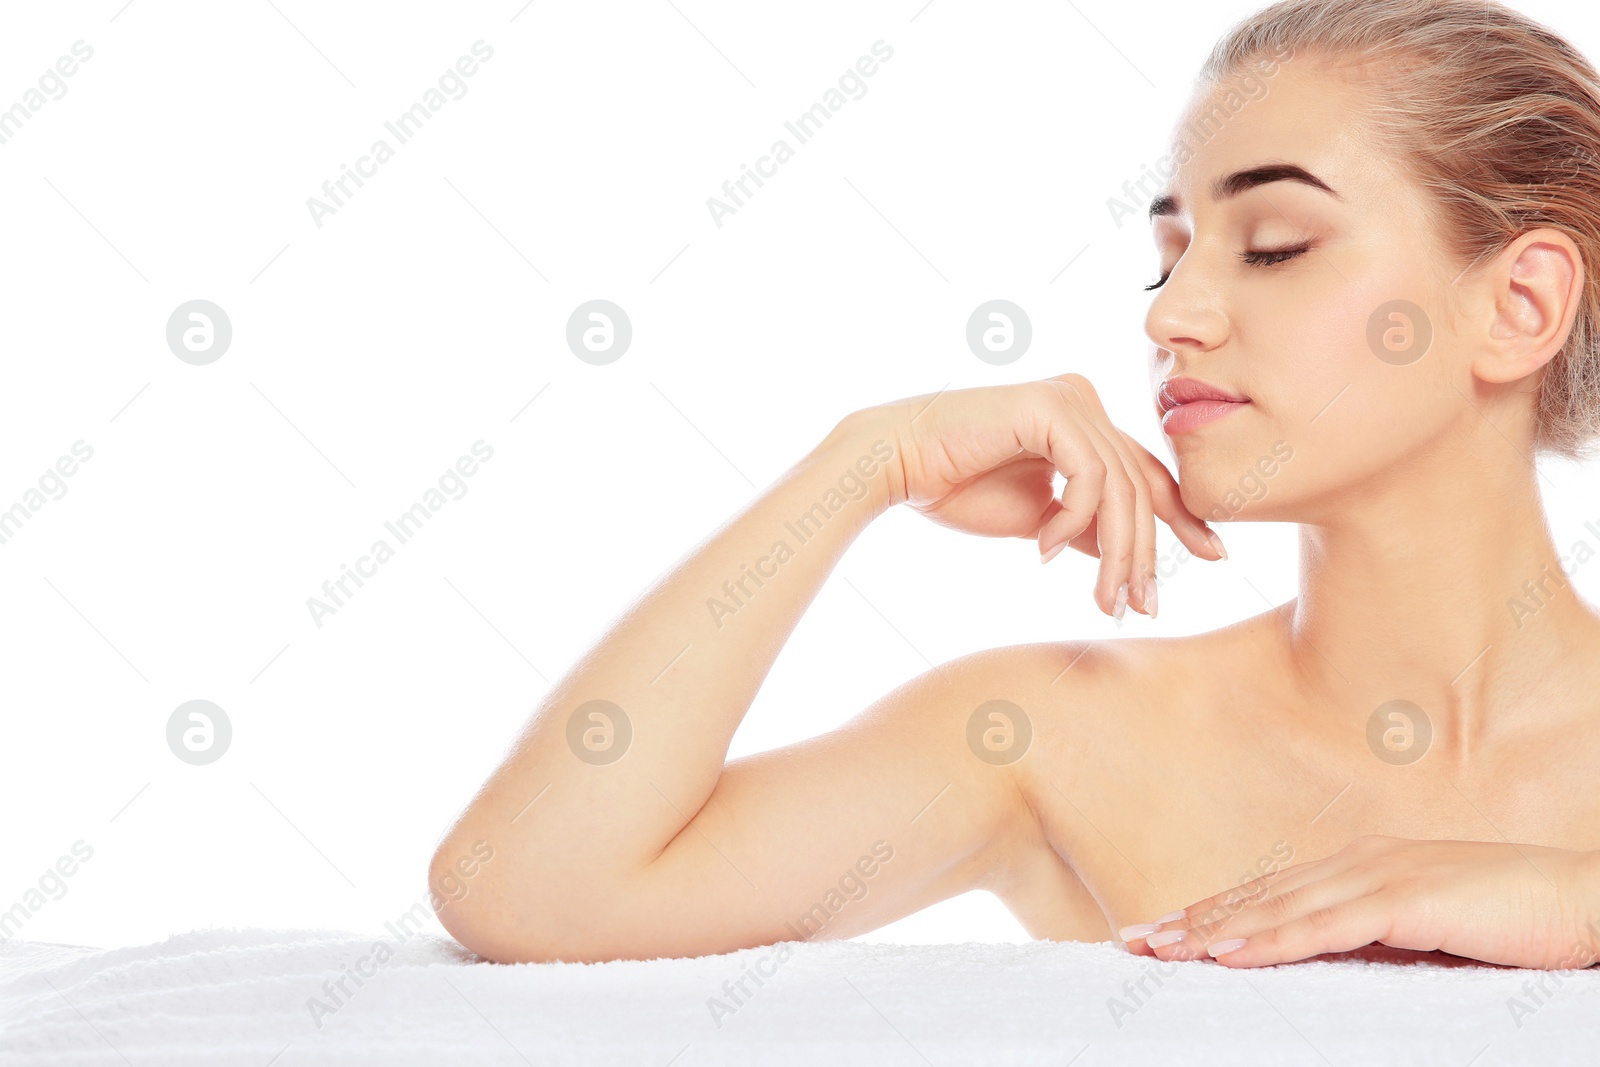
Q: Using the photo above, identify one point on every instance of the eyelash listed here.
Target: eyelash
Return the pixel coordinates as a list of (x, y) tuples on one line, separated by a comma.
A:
[(1267, 258)]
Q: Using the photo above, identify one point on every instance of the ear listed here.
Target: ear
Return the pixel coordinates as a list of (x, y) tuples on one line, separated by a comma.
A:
[(1536, 284)]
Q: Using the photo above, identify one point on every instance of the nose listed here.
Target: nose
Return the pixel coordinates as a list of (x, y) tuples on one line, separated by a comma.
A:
[(1186, 316)]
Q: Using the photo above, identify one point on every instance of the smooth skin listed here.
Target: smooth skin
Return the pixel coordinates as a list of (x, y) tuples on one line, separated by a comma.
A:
[(1162, 774)]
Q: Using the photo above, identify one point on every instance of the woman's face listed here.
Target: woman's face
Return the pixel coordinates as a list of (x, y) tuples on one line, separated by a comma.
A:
[(1340, 337)]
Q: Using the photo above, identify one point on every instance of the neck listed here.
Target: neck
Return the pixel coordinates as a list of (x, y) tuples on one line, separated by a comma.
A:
[(1475, 620)]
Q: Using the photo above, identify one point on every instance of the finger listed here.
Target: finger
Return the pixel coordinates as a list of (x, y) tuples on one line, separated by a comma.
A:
[(1122, 538), (1134, 937), (1073, 512), (1141, 564), (1213, 911), (1190, 529), (1230, 900), (1266, 911), (1185, 935), (1097, 487), (1341, 927), (1141, 588), (1204, 917), (1087, 542)]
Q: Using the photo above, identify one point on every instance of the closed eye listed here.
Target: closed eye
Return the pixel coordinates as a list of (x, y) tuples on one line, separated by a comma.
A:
[(1263, 258)]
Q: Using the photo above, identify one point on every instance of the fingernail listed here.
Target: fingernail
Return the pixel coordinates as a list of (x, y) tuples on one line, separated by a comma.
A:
[(1216, 543), (1165, 937), (1174, 917), (1150, 596), (1133, 933), (1122, 602), (1224, 947), (1050, 555)]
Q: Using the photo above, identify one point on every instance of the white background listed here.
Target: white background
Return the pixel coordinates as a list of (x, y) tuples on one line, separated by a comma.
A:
[(426, 314)]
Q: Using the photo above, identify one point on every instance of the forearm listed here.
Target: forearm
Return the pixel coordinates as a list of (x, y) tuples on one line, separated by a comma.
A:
[(683, 664)]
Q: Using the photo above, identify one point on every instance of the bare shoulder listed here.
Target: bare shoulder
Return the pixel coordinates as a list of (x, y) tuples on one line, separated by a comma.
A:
[(1119, 717), (1125, 684), (1076, 723)]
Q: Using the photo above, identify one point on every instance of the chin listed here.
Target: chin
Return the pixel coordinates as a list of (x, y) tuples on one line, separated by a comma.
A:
[(1198, 493), (1225, 487)]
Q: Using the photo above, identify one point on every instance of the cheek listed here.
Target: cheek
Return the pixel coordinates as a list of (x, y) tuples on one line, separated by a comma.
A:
[(1366, 365), (1317, 359), (1353, 380)]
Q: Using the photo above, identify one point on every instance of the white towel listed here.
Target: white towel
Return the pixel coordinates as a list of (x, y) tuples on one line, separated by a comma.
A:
[(260, 997)]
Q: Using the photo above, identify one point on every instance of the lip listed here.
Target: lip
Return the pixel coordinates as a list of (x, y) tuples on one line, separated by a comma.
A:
[(1189, 403), (1182, 390)]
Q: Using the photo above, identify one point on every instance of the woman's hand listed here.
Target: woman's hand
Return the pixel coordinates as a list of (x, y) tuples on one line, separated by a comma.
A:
[(983, 460), (1517, 905)]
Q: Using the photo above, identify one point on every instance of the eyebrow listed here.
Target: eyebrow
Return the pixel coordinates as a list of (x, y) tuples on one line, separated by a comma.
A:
[(1243, 180)]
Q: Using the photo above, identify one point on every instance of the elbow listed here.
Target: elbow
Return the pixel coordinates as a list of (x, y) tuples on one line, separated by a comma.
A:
[(469, 899), (498, 908), (488, 899)]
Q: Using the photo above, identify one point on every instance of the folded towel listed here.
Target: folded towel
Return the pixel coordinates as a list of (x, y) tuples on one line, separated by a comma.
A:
[(292, 998)]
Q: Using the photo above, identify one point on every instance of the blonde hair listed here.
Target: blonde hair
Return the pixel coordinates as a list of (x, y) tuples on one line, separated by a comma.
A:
[(1497, 118)]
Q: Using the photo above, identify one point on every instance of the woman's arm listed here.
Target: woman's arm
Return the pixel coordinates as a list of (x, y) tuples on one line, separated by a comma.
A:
[(628, 858), (621, 833)]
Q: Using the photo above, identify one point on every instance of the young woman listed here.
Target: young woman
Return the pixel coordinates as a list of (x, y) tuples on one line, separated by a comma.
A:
[(1377, 305)]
